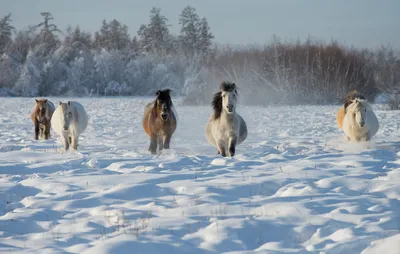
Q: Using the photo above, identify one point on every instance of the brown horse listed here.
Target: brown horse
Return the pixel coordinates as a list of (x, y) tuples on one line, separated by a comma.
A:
[(41, 116), (348, 100), (160, 121)]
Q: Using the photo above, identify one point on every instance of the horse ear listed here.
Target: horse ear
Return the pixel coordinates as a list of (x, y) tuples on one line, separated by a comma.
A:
[(60, 103), (167, 90), (157, 93), (69, 103), (36, 100), (45, 101)]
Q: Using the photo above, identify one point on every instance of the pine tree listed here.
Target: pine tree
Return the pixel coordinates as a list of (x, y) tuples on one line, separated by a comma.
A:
[(112, 36), (47, 34), (77, 35), (190, 34), (155, 36), (205, 37), (5, 32)]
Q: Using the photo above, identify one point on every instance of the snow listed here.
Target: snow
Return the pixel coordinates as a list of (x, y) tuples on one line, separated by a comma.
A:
[(295, 185)]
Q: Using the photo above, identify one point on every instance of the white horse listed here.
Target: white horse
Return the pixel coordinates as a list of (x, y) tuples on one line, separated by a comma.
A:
[(226, 129), (69, 121), (360, 122)]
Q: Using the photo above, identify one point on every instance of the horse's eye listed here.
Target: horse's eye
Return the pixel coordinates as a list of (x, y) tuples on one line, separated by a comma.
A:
[(70, 113)]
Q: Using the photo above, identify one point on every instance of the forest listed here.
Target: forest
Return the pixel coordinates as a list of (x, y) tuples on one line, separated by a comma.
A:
[(45, 61)]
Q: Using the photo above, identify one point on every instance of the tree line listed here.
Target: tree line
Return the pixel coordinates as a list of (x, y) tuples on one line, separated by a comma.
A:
[(45, 61)]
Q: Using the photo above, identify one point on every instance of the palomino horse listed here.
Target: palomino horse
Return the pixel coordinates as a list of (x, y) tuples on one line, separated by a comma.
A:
[(160, 121), (69, 121), (348, 100), (226, 128), (41, 116), (360, 122)]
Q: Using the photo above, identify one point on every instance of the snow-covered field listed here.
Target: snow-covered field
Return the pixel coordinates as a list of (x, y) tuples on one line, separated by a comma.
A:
[(295, 185)]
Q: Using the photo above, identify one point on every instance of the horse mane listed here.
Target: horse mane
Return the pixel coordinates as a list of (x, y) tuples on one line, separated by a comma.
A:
[(227, 86), (216, 102), (164, 95), (351, 96)]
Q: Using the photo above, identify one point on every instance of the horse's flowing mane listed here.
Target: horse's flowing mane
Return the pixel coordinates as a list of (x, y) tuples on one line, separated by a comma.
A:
[(216, 103)]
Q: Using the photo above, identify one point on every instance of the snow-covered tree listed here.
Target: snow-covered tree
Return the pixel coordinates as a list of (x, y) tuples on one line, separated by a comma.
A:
[(190, 30), (29, 79), (112, 36), (155, 36), (6, 30), (47, 35), (205, 37), (77, 35)]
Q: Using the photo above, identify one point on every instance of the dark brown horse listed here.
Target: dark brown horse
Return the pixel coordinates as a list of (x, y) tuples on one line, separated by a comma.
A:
[(160, 121), (41, 117)]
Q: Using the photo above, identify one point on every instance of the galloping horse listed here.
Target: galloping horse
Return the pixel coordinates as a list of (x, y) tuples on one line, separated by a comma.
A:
[(348, 100), (360, 122), (69, 121), (160, 121), (226, 129), (41, 116)]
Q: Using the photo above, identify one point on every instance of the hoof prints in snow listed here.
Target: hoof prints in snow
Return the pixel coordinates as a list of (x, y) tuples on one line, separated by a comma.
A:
[(293, 187)]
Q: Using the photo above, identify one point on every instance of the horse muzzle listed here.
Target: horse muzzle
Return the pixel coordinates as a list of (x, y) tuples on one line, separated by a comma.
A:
[(164, 116), (230, 109), (362, 124)]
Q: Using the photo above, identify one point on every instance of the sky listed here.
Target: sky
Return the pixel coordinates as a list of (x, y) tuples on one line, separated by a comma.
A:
[(359, 23)]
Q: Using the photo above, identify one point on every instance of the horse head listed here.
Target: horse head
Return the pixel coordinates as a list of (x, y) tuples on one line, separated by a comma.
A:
[(163, 104), (66, 114), (41, 106), (358, 110), (229, 96)]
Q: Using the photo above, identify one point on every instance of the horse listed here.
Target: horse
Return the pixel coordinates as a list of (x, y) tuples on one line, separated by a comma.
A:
[(348, 100), (360, 122), (69, 121), (41, 116), (225, 128), (160, 121)]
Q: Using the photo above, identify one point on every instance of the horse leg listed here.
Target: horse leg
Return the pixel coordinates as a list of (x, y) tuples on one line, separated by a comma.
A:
[(366, 137), (65, 140), (160, 143), (221, 148), (47, 131), (36, 129), (232, 145), (41, 132), (74, 142), (167, 140), (153, 144)]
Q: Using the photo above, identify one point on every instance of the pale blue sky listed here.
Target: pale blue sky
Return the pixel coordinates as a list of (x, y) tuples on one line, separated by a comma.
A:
[(362, 23)]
